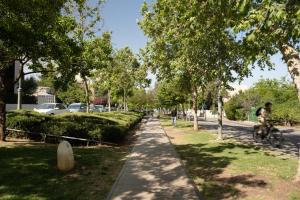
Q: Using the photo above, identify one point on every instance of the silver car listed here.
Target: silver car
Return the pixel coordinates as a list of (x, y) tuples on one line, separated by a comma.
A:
[(51, 108), (77, 107)]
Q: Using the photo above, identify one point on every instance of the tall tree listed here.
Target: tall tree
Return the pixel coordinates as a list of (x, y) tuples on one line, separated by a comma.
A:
[(192, 39), (36, 31), (95, 51), (230, 63), (126, 74), (176, 35)]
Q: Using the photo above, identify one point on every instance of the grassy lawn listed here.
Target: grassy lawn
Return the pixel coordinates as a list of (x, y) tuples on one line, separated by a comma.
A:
[(29, 172), (230, 170)]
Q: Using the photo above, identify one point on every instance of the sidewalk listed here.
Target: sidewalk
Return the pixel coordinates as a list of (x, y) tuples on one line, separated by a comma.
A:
[(153, 170)]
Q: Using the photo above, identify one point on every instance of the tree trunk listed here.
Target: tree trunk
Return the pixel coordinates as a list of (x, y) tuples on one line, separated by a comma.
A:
[(220, 115), (109, 109), (124, 103), (291, 57), (195, 108), (2, 120), (183, 110), (87, 100), (2, 107), (297, 177)]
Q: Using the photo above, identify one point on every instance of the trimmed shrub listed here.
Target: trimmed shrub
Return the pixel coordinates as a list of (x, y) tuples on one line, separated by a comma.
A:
[(109, 127)]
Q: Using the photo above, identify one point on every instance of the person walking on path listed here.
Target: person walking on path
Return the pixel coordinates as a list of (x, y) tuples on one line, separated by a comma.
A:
[(174, 116)]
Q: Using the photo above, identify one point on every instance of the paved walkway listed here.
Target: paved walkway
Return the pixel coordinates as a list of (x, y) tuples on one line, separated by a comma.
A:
[(153, 170)]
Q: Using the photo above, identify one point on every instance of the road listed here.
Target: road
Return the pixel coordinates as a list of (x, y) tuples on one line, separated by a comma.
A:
[(242, 131)]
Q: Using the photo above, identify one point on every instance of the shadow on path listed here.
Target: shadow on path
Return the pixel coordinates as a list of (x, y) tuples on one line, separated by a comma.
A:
[(153, 170)]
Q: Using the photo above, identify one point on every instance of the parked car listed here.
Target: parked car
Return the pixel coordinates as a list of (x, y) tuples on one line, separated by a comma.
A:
[(100, 108), (93, 108), (51, 108), (77, 107)]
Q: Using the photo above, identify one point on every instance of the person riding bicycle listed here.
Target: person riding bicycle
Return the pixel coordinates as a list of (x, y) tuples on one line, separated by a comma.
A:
[(264, 119)]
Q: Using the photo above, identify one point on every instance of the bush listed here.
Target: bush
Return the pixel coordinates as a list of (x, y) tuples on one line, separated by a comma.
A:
[(282, 94), (110, 127)]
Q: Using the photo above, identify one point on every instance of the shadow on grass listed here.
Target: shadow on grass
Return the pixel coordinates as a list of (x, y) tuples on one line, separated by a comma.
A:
[(203, 164), (30, 173)]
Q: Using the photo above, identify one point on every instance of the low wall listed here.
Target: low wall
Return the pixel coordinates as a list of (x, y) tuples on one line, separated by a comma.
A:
[(202, 113), (24, 106)]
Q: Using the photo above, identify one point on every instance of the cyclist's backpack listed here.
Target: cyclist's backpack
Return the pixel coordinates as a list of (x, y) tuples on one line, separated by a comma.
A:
[(258, 111)]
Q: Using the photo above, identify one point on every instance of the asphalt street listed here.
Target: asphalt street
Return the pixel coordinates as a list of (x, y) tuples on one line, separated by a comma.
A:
[(242, 131)]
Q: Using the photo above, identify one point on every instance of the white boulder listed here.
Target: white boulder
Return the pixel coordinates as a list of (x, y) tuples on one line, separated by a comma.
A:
[(65, 157)]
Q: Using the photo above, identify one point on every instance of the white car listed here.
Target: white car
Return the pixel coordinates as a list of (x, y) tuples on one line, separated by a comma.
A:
[(51, 108)]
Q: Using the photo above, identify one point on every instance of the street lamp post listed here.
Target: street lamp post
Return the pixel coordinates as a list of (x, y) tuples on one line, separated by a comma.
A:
[(19, 107)]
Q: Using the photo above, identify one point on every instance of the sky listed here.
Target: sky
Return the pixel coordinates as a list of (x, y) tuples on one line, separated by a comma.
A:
[(120, 17)]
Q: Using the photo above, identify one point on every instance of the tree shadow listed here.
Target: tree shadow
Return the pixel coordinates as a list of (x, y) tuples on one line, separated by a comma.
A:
[(203, 163), (31, 173), (243, 135)]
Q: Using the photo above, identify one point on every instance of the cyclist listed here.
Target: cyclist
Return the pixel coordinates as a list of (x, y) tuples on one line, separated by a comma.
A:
[(264, 119)]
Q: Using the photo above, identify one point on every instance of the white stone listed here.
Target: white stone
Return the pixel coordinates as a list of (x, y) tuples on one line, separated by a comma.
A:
[(65, 157)]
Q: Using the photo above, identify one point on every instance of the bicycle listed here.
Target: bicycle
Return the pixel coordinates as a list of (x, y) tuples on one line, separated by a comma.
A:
[(270, 134)]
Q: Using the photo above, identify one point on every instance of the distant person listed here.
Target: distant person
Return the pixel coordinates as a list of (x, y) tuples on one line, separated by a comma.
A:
[(174, 116), (264, 117)]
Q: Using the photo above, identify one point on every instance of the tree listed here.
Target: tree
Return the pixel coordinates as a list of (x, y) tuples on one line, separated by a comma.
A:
[(176, 44), (142, 100), (269, 27), (170, 94), (95, 51), (35, 31), (29, 86), (281, 93), (72, 93), (126, 74), (192, 39)]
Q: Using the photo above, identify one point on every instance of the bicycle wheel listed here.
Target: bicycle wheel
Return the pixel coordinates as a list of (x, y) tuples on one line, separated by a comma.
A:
[(276, 138), (256, 134)]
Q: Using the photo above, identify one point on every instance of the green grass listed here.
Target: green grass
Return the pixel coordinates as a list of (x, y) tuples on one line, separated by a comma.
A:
[(207, 160), (29, 172)]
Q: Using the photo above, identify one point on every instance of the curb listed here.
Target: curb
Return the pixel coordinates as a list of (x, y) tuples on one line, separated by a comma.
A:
[(198, 193), (113, 188)]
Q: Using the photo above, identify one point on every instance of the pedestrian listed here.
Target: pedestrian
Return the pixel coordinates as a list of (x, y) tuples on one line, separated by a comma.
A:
[(174, 116)]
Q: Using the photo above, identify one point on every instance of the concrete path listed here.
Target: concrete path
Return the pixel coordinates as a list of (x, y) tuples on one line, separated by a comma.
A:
[(153, 170)]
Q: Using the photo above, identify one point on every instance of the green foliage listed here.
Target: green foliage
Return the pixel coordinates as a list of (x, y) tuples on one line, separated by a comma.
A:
[(29, 86), (122, 77), (142, 99), (281, 93), (169, 94), (111, 127), (33, 30), (233, 109), (72, 93)]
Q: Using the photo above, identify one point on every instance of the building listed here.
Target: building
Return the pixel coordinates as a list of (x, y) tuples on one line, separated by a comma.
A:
[(45, 95), (236, 89)]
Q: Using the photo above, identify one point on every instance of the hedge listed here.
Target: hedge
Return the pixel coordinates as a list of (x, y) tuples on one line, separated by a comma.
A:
[(109, 127)]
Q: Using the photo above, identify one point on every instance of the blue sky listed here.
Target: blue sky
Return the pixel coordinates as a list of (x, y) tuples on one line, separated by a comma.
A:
[(120, 17)]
